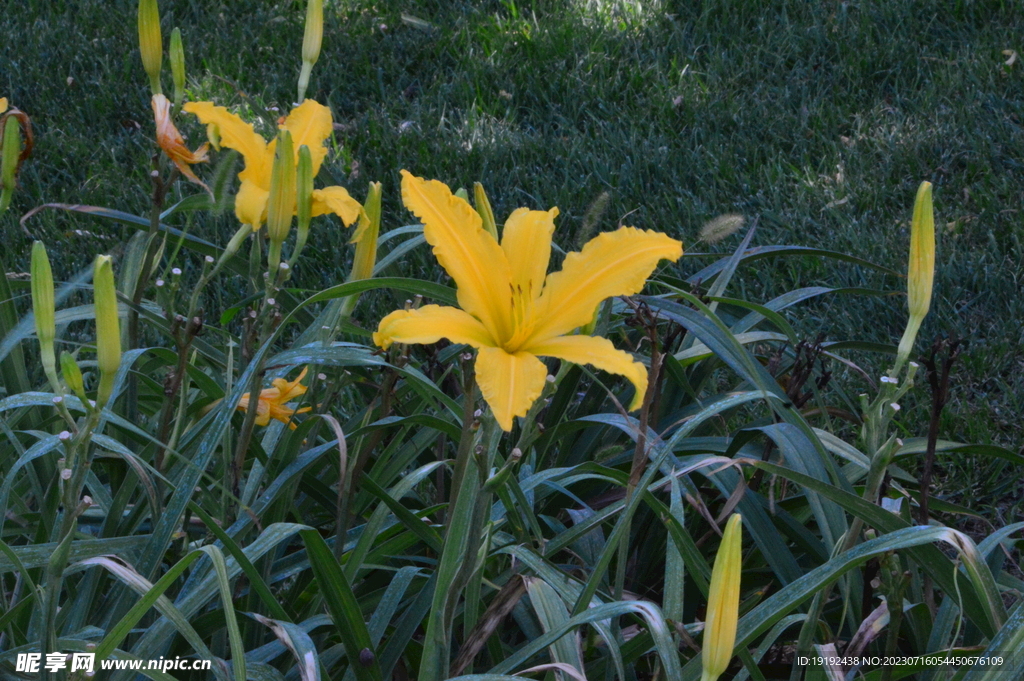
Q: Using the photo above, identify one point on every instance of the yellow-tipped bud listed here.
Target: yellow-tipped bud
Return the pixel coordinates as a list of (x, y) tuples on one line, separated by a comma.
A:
[(723, 602), (483, 207), (177, 54), (73, 376), (281, 205), (108, 327), (151, 44), (312, 39), (42, 309), (921, 269)]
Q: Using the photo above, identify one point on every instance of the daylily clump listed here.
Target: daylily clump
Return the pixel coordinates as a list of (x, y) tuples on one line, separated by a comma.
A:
[(310, 124), (272, 402), (513, 312)]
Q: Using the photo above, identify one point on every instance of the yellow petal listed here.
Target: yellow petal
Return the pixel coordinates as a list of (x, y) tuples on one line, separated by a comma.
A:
[(338, 201), (611, 264), (723, 601), (510, 383), (251, 204), (430, 324), (598, 352), (3, 104), (310, 124), (526, 241), (238, 135), (465, 250), (289, 390)]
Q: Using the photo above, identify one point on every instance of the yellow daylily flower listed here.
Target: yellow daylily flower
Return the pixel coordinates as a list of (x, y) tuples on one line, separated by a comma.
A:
[(3, 104), (173, 144), (723, 602), (513, 312), (272, 402), (310, 124)]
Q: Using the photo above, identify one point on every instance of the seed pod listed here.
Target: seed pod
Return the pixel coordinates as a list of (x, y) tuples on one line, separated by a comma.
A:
[(108, 328), (723, 602), (151, 44), (43, 310)]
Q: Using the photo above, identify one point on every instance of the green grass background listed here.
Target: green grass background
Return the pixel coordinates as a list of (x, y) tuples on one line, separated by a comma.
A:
[(819, 118)]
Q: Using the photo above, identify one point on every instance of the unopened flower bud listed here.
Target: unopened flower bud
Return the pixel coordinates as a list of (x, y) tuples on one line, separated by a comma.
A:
[(281, 205), (723, 602), (73, 376), (151, 42), (311, 41), (921, 270), (43, 310), (108, 328), (177, 55)]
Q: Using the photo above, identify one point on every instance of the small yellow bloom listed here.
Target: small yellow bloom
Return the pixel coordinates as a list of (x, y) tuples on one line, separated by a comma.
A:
[(310, 124), (514, 312), (723, 602), (272, 402), (173, 144), (3, 104)]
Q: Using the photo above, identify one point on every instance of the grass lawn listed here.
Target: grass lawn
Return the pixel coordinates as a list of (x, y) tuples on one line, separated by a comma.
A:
[(818, 118)]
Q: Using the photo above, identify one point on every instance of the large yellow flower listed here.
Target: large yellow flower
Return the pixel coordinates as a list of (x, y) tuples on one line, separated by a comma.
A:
[(272, 402), (310, 124), (514, 312)]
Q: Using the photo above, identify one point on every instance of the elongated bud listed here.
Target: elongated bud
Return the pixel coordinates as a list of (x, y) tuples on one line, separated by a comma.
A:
[(921, 269), (9, 159), (108, 328), (281, 206), (311, 41), (42, 309), (723, 602), (366, 234), (483, 207), (151, 43), (304, 199), (177, 67), (73, 376)]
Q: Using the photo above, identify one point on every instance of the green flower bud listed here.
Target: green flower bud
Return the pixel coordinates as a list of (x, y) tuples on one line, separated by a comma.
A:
[(311, 41), (365, 236), (43, 310), (723, 602), (73, 376), (281, 205), (304, 198), (11, 152), (108, 327), (921, 269), (177, 67), (151, 42), (483, 207)]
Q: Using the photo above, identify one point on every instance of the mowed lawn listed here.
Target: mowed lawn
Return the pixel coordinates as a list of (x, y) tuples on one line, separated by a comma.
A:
[(817, 118)]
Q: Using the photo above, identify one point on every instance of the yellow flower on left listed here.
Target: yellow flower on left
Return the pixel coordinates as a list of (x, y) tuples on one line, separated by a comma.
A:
[(310, 124), (171, 141), (3, 104), (272, 402)]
